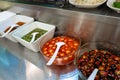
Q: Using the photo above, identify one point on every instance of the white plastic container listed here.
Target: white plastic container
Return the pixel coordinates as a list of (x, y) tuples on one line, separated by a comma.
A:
[(34, 46), (13, 20), (6, 15), (73, 2), (110, 5)]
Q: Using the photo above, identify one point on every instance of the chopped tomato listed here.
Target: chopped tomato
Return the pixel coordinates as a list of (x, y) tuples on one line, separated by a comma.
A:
[(67, 51)]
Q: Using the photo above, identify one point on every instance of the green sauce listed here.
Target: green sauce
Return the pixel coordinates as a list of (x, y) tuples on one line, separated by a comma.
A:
[(116, 4), (28, 36)]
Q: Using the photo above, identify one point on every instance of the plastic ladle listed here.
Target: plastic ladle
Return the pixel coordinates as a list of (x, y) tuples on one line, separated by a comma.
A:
[(59, 44), (93, 74), (33, 36), (12, 26)]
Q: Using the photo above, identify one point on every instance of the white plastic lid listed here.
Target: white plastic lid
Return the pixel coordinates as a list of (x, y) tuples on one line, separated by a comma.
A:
[(5, 15)]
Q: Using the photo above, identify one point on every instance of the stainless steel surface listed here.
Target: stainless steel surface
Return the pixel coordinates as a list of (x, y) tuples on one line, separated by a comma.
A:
[(19, 63)]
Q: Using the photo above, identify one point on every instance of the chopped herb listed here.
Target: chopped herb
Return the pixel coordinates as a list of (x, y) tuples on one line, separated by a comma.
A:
[(116, 4), (28, 36)]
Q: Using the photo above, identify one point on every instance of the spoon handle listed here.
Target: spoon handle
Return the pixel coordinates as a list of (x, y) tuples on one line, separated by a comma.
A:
[(9, 30), (92, 76), (33, 38), (54, 55)]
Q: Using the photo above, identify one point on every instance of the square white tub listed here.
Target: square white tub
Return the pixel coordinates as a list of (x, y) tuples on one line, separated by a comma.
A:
[(13, 20), (34, 46)]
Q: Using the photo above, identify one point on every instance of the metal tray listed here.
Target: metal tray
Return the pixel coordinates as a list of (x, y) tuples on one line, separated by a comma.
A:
[(19, 63)]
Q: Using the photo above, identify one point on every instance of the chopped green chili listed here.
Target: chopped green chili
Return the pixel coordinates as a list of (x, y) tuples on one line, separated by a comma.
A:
[(28, 36)]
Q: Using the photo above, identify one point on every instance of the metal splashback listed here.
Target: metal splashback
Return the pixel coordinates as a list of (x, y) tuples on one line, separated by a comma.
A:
[(85, 25), (88, 27)]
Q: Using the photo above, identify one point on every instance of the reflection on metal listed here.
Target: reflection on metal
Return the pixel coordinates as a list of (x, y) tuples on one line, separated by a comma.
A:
[(33, 72), (3, 57), (16, 68), (13, 68), (70, 76), (88, 27)]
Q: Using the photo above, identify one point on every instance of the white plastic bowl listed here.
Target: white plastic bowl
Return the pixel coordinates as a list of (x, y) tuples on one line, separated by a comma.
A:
[(13, 20), (34, 46), (110, 5), (85, 5)]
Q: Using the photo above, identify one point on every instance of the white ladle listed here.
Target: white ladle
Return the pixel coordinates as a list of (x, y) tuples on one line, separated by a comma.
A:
[(12, 26), (33, 36), (59, 44), (93, 74)]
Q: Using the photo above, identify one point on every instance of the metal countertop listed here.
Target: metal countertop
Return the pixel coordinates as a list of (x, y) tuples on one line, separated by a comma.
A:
[(20, 63), (101, 10)]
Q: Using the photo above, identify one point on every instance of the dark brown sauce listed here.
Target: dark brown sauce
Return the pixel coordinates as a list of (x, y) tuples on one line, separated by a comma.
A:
[(18, 23)]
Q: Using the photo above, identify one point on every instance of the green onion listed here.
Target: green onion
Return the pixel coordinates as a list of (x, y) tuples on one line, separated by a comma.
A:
[(116, 4)]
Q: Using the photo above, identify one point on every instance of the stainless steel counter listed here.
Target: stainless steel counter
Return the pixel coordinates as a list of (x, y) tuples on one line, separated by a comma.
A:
[(101, 10), (20, 63)]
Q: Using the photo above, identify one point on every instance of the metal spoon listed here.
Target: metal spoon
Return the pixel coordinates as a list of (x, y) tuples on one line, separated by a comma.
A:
[(33, 36), (59, 44), (12, 26), (93, 74)]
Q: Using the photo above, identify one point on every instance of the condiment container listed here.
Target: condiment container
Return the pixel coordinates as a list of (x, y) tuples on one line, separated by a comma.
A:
[(6, 15), (34, 46), (110, 4), (102, 55), (66, 53), (87, 3), (17, 19)]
